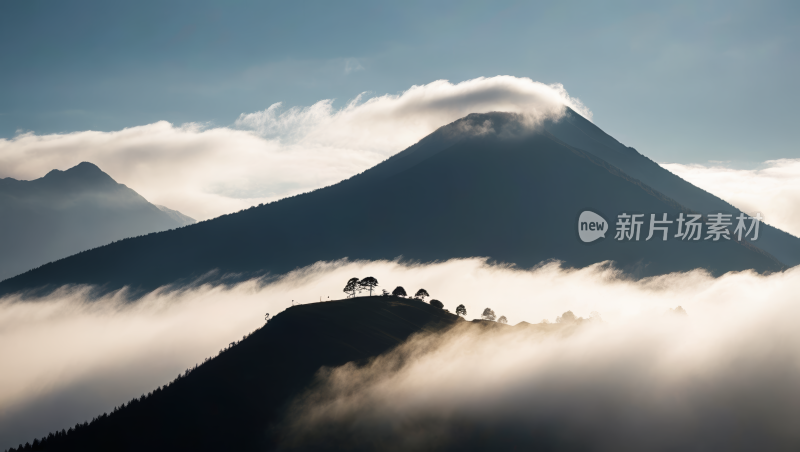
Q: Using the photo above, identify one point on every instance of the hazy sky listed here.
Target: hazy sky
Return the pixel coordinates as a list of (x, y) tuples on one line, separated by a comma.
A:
[(684, 82)]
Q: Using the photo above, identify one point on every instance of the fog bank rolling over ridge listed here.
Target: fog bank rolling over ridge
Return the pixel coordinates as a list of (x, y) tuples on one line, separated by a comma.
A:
[(673, 380), (66, 212), (495, 185)]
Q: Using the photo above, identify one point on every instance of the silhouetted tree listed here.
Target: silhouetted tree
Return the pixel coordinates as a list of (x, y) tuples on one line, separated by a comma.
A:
[(399, 291), (488, 314), (567, 317), (369, 283), (502, 319), (352, 287), (385, 292), (422, 293), (461, 310), (437, 303)]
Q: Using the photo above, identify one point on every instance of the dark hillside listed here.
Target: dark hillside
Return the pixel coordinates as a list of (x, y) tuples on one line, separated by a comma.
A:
[(231, 402)]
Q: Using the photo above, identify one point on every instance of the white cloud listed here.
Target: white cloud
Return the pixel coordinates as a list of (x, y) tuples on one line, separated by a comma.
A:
[(51, 344), (205, 171), (773, 190), (648, 381)]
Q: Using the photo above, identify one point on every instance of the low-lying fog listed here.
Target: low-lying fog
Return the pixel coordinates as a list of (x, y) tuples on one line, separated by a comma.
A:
[(725, 376)]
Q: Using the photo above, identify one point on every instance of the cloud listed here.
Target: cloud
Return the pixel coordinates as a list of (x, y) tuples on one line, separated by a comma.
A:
[(773, 190), (725, 377), (204, 171), (62, 373)]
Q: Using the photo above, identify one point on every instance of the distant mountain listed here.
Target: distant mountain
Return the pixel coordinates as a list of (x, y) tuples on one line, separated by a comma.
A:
[(66, 212), (182, 219), (485, 185), (235, 401)]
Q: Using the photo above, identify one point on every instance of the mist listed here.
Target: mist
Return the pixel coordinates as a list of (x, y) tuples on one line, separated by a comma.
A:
[(73, 358), (725, 377), (773, 189)]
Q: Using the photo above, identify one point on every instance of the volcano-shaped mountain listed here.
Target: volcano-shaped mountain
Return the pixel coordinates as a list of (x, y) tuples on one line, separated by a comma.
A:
[(486, 185), (576, 131), (66, 212)]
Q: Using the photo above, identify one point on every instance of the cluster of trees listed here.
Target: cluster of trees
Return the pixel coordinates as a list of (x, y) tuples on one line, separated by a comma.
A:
[(354, 286), (399, 291), (488, 314), (570, 318)]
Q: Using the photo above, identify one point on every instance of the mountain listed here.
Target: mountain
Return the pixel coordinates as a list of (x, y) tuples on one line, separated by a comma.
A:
[(578, 132), (486, 185), (183, 220), (234, 401), (66, 212)]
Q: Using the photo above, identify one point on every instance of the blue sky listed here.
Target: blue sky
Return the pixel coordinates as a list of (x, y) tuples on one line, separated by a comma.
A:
[(686, 82)]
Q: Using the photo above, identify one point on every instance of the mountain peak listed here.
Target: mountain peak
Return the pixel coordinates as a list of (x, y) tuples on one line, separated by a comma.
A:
[(69, 211), (83, 168), (84, 172), (86, 167)]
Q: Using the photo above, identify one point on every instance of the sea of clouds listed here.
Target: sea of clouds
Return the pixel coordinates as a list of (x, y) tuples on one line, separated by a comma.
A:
[(725, 377), (773, 189)]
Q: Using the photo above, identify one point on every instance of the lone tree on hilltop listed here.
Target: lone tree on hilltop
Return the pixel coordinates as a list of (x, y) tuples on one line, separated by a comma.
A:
[(461, 310), (352, 287), (399, 291), (369, 283), (488, 314), (502, 319), (422, 293), (437, 303)]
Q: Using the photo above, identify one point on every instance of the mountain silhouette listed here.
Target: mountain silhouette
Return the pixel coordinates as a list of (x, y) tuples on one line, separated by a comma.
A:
[(578, 132), (66, 212), (487, 185), (235, 401)]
